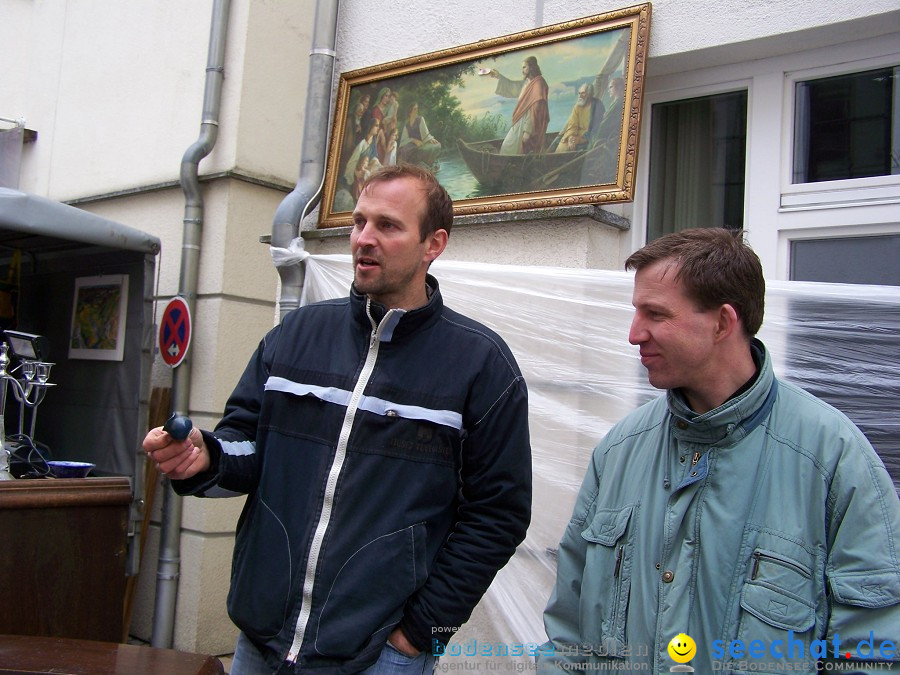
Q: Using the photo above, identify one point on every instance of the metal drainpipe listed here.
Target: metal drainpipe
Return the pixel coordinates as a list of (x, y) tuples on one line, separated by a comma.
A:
[(305, 195), (169, 563)]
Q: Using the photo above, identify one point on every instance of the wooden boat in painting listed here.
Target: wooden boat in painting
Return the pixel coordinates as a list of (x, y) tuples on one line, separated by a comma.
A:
[(521, 173)]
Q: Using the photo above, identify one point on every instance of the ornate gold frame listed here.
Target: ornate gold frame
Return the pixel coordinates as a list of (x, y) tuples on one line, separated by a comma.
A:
[(612, 45)]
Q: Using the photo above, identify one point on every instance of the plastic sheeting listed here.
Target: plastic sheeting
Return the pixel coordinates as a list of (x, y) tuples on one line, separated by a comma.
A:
[(568, 329)]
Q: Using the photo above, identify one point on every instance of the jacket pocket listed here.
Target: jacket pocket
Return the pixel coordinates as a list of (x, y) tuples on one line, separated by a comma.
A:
[(871, 590), (778, 609), (607, 581), (369, 591), (261, 548)]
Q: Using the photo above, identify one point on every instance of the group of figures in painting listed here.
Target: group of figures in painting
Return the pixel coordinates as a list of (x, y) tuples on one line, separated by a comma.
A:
[(385, 129), (379, 135)]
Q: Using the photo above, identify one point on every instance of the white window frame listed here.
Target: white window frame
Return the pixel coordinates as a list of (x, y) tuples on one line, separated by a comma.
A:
[(787, 237), (642, 191), (849, 192)]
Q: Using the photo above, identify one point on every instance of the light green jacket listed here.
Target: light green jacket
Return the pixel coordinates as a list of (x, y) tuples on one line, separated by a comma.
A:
[(768, 519)]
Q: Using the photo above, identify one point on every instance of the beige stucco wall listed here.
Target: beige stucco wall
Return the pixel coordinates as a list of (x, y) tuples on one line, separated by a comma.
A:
[(572, 242), (680, 29), (695, 49), (115, 92)]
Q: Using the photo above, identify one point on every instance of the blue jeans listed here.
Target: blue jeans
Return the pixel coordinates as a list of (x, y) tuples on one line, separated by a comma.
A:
[(248, 661), (394, 662)]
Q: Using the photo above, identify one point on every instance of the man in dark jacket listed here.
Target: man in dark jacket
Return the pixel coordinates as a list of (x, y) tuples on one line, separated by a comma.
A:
[(382, 441)]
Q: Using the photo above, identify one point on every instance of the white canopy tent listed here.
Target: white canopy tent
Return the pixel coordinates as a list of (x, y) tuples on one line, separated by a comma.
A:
[(38, 223), (97, 411)]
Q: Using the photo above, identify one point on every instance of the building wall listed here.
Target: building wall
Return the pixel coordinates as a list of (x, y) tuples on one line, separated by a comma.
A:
[(115, 91), (695, 49)]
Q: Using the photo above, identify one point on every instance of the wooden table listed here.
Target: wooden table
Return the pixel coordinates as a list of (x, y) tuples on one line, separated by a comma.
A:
[(62, 568), (29, 654)]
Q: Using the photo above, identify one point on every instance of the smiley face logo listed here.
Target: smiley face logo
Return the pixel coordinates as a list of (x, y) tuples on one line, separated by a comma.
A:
[(682, 648)]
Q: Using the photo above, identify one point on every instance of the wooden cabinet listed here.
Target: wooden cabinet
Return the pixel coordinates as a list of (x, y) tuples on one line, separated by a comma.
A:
[(62, 557)]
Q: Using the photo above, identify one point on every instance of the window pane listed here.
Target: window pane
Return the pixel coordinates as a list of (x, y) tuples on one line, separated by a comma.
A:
[(863, 260), (698, 150), (844, 127)]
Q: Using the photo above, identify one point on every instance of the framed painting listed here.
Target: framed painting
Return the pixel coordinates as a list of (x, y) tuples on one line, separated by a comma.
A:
[(98, 318), (546, 117)]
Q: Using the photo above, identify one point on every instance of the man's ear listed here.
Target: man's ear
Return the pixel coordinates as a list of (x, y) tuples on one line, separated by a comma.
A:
[(435, 244), (727, 322)]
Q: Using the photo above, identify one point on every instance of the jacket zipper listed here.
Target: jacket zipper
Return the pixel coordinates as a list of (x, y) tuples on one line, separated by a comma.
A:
[(784, 562), (331, 484), (618, 582)]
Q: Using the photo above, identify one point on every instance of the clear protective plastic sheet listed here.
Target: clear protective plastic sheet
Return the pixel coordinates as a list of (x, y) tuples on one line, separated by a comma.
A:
[(568, 329)]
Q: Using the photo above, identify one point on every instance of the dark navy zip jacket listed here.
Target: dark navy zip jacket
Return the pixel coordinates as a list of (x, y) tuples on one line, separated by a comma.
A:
[(387, 463)]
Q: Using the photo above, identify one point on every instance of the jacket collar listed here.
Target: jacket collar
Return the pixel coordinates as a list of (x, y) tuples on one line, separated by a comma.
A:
[(734, 419), (402, 322)]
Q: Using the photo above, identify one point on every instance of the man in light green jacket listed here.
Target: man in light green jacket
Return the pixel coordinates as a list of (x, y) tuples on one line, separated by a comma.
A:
[(737, 524)]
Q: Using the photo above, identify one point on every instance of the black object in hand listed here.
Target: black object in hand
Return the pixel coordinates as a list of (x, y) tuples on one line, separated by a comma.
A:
[(178, 426)]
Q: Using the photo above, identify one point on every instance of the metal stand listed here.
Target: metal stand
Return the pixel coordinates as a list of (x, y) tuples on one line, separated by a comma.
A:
[(29, 392)]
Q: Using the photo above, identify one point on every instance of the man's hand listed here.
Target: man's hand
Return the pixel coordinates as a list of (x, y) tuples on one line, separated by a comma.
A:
[(399, 642), (177, 459)]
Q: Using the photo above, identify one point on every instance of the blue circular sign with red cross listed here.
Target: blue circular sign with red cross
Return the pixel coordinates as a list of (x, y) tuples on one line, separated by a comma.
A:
[(175, 332)]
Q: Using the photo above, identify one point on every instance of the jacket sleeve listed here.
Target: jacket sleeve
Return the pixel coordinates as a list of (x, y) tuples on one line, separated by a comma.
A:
[(561, 620), (492, 518), (863, 568), (234, 463)]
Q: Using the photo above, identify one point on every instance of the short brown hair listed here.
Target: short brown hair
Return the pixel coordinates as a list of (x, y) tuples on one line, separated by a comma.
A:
[(716, 266), (438, 205)]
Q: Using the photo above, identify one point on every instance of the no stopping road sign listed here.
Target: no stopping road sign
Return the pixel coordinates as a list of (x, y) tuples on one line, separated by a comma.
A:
[(175, 332)]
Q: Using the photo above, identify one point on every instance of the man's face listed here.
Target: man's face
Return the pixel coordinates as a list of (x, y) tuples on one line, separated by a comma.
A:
[(583, 96), (675, 336), (389, 260), (526, 69)]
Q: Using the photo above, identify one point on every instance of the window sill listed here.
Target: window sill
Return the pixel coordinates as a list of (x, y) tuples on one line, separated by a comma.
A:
[(840, 194)]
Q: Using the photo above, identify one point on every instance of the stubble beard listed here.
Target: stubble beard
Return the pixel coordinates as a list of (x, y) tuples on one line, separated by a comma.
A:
[(381, 285)]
